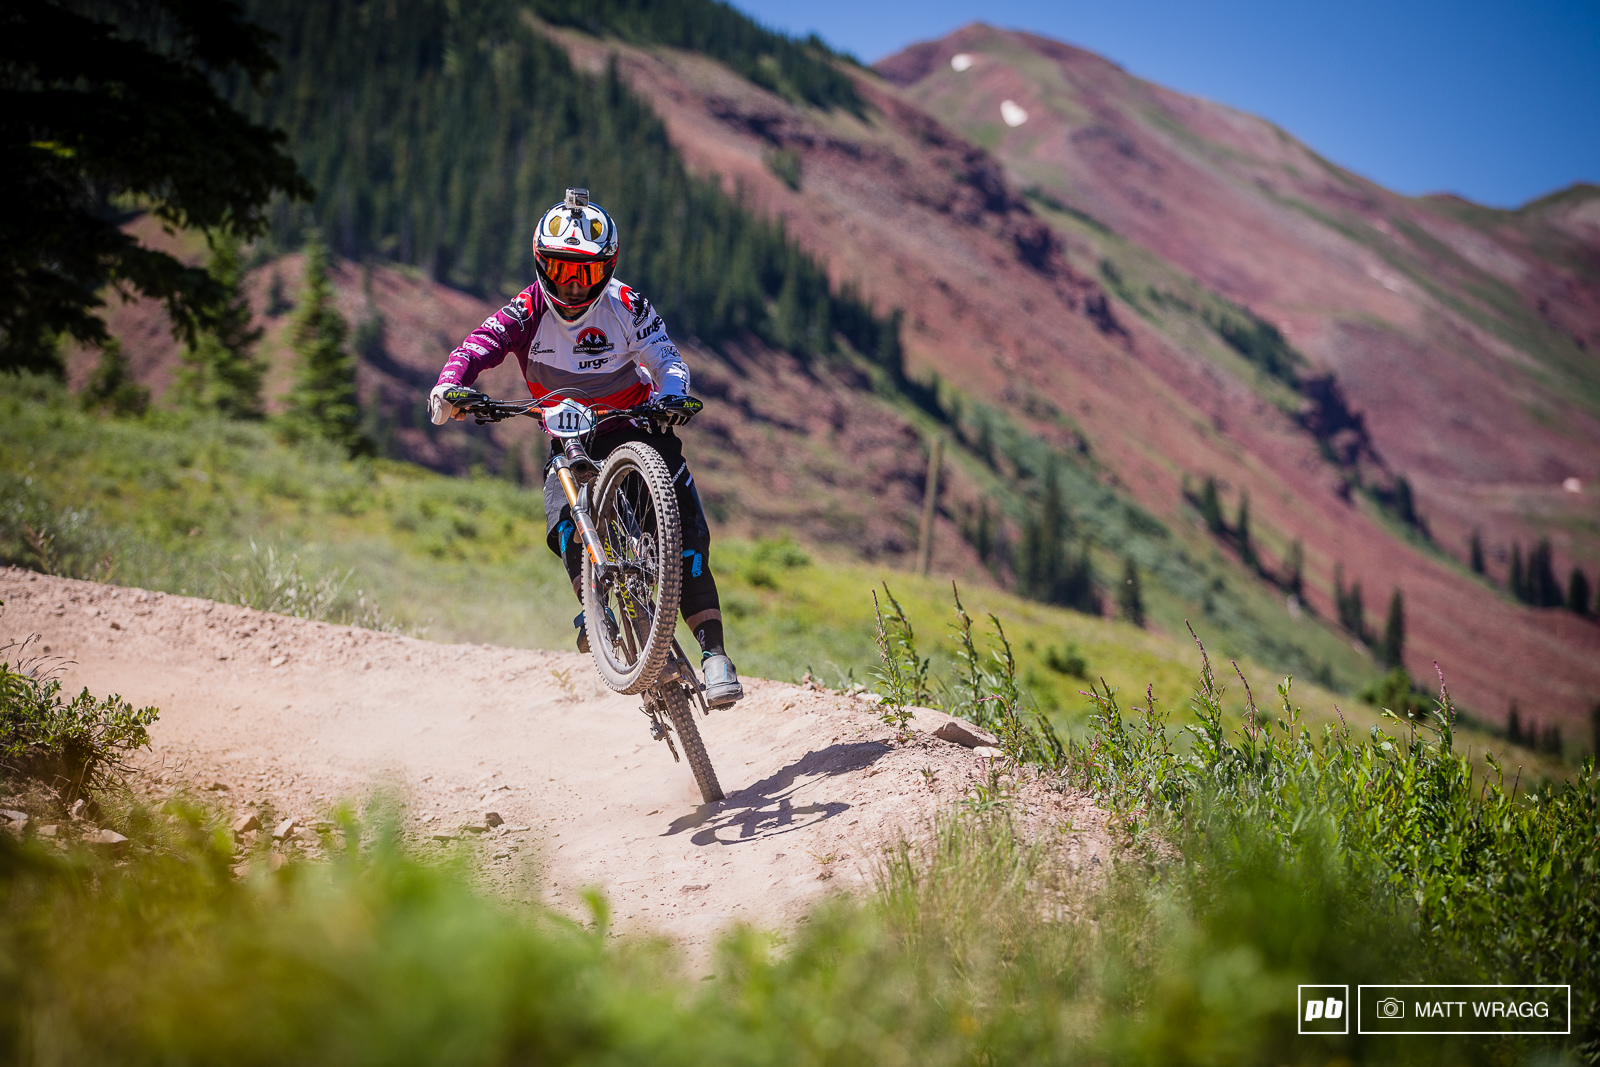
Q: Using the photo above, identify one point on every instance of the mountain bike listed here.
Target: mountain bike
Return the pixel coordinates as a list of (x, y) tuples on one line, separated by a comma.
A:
[(627, 521)]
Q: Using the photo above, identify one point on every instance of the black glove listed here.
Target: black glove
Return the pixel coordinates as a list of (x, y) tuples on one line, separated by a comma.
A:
[(676, 410)]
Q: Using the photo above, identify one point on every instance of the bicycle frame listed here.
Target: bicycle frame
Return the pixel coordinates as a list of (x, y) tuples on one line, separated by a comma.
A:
[(572, 464)]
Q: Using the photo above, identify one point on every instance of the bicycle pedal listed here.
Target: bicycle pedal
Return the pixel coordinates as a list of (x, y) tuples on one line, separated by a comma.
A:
[(657, 731)]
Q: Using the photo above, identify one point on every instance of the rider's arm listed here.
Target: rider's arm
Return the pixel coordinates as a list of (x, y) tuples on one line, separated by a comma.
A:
[(509, 330), (657, 354)]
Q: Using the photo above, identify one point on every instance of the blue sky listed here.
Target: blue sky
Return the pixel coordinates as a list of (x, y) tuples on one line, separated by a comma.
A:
[(1496, 101)]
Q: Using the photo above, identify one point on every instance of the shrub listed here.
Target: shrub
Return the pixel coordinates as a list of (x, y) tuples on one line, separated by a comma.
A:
[(1395, 692), (771, 556), (74, 746), (1067, 660)]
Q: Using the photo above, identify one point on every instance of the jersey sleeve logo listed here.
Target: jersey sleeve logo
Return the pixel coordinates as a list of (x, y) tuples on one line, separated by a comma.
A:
[(520, 309), (640, 308), (592, 341)]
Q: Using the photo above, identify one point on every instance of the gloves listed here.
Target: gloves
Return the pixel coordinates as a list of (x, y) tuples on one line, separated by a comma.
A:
[(677, 410), (439, 409)]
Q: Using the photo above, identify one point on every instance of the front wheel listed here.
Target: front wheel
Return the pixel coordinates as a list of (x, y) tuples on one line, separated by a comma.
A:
[(681, 715), (632, 609)]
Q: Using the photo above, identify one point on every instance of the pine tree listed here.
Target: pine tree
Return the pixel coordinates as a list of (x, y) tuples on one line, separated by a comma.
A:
[(1211, 508), (1129, 602), (1394, 632), (1543, 589), (1514, 725), (111, 386), (1247, 550), (1476, 552), (220, 372), (1405, 507), (1352, 615), (1578, 592), (1516, 583), (324, 401), (1294, 570)]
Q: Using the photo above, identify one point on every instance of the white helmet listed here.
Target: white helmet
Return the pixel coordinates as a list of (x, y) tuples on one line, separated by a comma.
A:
[(576, 241)]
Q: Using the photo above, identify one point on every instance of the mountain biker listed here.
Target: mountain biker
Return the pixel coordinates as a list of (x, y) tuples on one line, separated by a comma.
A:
[(606, 344)]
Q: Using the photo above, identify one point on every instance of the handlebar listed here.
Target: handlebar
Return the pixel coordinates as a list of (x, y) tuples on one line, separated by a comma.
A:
[(485, 409)]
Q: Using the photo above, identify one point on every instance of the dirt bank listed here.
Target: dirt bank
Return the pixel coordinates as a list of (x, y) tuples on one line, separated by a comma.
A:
[(291, 716)]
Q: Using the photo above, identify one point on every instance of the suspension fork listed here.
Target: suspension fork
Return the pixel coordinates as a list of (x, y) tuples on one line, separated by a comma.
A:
[(563, 464)]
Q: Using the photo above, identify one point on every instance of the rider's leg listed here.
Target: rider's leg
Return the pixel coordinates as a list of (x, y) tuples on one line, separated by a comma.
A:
[(702, 607), (561, 534)]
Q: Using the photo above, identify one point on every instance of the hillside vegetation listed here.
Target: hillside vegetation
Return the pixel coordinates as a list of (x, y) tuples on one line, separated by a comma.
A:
[(226, 510)]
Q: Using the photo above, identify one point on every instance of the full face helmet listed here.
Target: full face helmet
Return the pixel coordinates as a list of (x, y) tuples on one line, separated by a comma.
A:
[(576, 242)]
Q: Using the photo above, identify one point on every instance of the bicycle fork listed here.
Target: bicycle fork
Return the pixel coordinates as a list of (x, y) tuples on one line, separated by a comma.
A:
[(580, 510)]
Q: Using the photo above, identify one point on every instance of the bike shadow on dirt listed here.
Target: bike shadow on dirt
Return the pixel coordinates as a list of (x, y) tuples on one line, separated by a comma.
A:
[(766, 808)]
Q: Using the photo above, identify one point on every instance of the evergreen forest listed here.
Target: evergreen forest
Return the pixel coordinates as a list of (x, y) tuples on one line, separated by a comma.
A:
[(799, 70), (436, 133)]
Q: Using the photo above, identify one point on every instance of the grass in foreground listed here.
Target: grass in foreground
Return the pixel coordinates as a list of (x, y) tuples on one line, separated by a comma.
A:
[(1252, 862)]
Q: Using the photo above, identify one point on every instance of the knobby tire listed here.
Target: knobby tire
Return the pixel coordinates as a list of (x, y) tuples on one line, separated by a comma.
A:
[(635, 479), (681, 713)]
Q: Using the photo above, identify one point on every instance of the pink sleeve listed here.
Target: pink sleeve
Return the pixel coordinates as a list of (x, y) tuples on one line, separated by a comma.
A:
[(509, 330)]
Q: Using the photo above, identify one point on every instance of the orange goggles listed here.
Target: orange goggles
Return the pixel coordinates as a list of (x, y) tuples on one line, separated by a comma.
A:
[(566, 271)]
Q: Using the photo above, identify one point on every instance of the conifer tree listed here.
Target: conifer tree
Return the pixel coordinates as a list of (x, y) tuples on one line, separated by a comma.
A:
[(324, 401), (1294, 569), (1247, 550), (1394, 632), (1514, 724), (1516, 584), (220, 371), (1352, 615), (1543, 589), (1211, 508), (111, 386), (1578, 592), (1476, 552), (1129, 600)]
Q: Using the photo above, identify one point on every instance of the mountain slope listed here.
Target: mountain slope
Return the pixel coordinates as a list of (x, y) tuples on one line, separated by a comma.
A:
[(1469, 338), (1002, 302)]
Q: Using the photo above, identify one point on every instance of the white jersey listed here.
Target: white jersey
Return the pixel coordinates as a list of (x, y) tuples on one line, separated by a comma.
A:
[(617, 351)]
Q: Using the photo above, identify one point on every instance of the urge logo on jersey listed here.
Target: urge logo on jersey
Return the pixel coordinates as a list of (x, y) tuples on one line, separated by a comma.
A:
[(592, 341)]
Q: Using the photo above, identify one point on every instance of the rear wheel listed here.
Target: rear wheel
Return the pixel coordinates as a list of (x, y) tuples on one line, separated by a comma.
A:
[(681, 713), (632, 610)]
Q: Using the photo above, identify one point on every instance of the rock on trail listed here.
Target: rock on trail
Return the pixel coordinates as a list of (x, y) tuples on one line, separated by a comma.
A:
[(521, 754)]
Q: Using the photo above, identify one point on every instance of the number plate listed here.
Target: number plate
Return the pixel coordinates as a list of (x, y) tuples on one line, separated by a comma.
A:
[(568, 419)]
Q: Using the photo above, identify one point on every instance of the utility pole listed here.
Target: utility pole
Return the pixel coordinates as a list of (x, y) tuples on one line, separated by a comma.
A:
[(930, 502)]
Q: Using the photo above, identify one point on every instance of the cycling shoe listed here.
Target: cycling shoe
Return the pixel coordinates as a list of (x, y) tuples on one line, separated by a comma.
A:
[(722, 682)]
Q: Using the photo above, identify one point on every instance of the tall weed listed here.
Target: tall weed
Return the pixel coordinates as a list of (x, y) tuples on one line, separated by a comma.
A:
[(1498, 887)]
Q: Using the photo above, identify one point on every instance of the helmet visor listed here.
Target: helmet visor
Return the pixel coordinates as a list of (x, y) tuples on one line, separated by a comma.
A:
[(567, 271)]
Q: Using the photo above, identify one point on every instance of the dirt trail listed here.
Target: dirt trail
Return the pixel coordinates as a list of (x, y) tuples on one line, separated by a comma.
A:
[(300, 714)]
